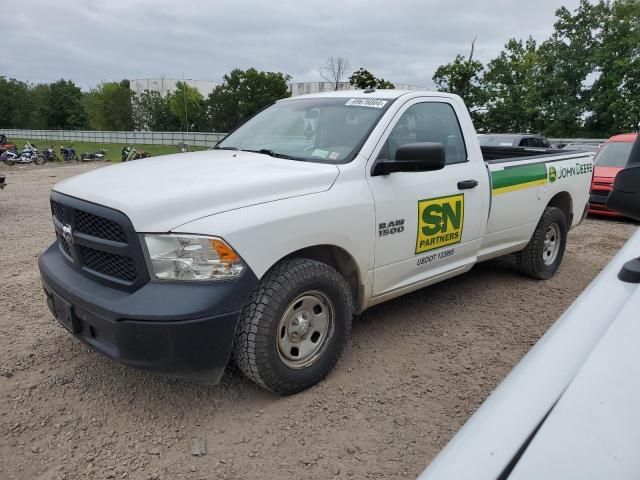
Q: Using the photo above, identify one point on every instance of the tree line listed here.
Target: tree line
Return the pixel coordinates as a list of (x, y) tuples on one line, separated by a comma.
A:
[(584, 80), (114, 106)]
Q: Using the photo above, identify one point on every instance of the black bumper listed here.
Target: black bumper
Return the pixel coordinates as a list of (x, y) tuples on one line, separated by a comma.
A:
[(178, 329)]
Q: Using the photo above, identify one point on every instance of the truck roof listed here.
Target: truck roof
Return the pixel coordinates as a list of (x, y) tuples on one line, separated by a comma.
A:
[(378, 93)]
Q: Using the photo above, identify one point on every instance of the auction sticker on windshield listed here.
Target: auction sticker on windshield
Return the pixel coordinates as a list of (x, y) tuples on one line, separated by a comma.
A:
[(366, 102), (440, 222)]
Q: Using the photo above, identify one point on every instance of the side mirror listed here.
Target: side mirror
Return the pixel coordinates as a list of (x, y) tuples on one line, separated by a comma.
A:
[(413, 157), (625, 196)]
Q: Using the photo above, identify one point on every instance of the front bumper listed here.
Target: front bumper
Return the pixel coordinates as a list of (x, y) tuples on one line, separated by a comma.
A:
[(598, 204), (180, 329)]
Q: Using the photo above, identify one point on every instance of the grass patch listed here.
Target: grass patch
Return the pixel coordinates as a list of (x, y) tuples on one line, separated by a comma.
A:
[(113, 149)]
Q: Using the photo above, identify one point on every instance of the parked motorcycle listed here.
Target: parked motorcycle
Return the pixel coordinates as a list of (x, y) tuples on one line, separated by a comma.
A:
[(98, 155), (130, 152), (29, 154), (50, 154), (9, 156), (68, 154)]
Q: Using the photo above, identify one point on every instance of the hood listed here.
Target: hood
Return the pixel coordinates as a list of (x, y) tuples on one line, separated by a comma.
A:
[(161, 193), (594, 428), (606, 172)]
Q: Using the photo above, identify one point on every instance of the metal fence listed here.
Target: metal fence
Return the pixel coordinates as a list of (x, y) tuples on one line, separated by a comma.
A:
[(198, 139)]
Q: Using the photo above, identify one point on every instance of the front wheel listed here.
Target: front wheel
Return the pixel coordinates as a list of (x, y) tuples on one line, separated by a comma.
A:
[(39, 160), (294, 327), (543, 254)]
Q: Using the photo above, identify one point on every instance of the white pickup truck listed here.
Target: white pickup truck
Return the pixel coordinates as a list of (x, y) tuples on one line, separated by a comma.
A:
[(262, 249)]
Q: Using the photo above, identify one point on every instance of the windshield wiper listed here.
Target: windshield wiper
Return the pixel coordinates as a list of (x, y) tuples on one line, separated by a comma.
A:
[(226, 148), (271, 153)]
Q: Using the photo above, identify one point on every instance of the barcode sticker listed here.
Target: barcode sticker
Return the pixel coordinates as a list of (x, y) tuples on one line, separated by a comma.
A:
[(366, 102)]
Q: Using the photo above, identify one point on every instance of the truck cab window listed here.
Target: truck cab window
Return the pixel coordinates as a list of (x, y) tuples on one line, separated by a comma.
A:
[(428, 122)]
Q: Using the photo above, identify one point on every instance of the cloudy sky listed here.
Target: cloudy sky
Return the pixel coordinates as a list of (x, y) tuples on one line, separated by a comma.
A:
[(90, 41)]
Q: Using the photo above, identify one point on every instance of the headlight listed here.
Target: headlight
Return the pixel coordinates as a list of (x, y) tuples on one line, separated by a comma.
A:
[(191, 257)]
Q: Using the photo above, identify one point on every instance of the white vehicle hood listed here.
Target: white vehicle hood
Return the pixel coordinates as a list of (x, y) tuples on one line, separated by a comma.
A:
[(162, 193), (593, 431), (571, 402)]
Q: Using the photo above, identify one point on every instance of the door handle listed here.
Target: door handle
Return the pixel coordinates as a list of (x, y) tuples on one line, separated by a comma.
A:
[(467, 184)]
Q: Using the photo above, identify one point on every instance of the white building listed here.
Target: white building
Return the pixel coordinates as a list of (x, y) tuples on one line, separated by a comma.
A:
[(304, 88), (168, 85)]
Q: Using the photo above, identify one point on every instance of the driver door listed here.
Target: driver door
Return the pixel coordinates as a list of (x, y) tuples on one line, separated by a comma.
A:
[(428, 224)]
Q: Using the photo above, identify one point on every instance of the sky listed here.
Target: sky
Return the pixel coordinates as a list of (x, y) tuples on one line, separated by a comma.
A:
[(404, 41)]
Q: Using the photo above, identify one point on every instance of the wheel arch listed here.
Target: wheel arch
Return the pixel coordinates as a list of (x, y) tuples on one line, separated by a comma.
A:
[(342, 261), (564, 202)]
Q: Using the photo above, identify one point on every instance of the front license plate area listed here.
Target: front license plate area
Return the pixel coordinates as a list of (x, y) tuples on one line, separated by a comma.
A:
[(65, 313)]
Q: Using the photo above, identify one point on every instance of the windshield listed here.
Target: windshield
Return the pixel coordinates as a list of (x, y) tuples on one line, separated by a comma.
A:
[(500, 140), (328, 130), (582, 147), (614, 154)]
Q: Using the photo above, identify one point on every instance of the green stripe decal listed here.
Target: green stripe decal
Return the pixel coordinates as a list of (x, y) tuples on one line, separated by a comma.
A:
[(510, 177)]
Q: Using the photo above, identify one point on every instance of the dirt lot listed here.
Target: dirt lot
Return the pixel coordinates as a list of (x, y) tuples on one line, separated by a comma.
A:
[(415, 370)]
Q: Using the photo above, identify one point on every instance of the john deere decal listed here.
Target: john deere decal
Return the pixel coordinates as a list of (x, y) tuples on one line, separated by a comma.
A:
[(518, 178), (440, 222)]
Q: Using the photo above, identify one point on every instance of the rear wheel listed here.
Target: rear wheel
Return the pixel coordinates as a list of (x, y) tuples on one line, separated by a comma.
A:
[(542, 256), (293, 329)]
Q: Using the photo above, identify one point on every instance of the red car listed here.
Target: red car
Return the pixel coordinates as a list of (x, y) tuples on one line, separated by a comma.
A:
[(610, 159)]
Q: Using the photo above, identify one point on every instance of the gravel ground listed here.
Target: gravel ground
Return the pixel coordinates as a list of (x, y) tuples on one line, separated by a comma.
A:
[(414, 371)]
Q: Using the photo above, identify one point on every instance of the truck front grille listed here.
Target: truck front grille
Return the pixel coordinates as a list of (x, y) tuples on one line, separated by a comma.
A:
[(98, 241), (64, 245), (599, 197), (58, 210), (108, 264), (99, 227)]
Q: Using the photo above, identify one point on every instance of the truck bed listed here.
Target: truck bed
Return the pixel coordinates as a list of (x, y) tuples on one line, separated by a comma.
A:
[(505, 154)]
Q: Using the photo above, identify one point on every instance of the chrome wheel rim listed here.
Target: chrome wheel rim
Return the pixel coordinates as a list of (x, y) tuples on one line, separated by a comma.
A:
[(305, 329), (551, 244)]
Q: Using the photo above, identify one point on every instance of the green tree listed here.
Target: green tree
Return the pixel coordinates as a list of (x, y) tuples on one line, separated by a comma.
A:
[(242, 94), (463, 77), (15, 103), (363, 79), (40, 96), (152, 111), (187, 105), (614, 97), (109, 106), (66, 109), (510, 86), (567, 59)]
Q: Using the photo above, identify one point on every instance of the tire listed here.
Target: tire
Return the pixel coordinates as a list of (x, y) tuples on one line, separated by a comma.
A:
[(9, 161), (543, 254), (40, 160), (274, 344)]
